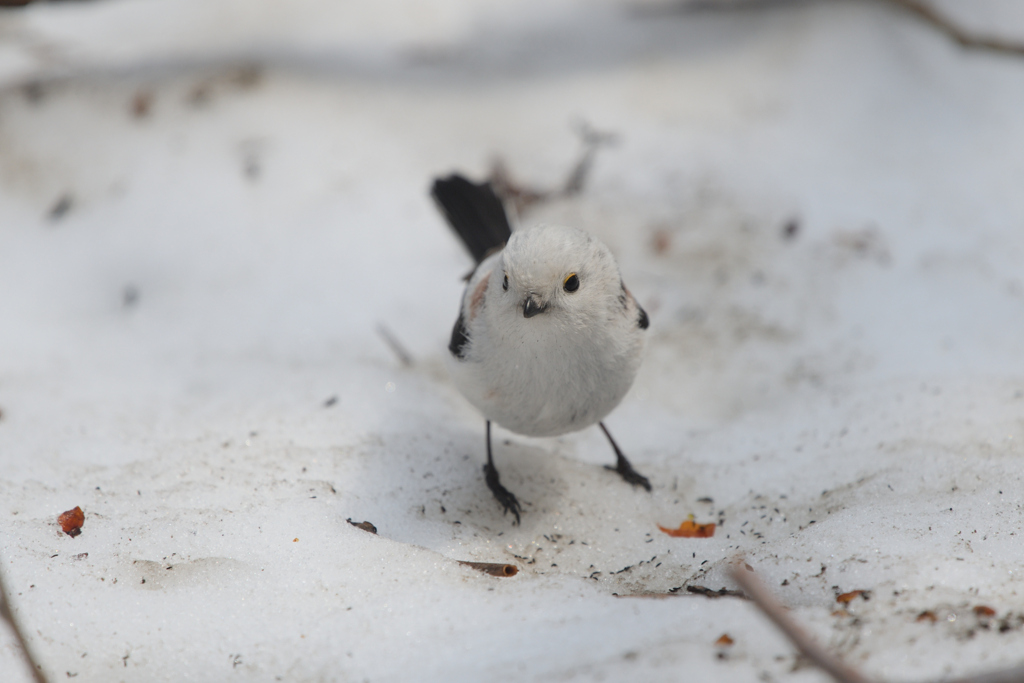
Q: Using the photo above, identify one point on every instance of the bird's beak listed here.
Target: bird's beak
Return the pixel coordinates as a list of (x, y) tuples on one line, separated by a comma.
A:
[(532, 308)]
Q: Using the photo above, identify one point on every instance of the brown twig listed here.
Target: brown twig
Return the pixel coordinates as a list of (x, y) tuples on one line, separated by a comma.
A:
[(929, 15), (778, 615), (7, 615), (404, 357), (1014, 675), (720, 593), (592, 140), (523, 197), (492, 568), (365, 526)]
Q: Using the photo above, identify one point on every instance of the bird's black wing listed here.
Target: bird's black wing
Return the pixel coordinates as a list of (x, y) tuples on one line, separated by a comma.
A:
[(475, 213)]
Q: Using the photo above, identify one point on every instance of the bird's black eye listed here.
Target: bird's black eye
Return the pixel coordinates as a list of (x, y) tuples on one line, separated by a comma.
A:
[(571, 283), (504, 283)]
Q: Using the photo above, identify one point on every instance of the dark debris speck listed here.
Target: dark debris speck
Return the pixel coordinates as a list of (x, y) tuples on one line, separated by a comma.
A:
[(365, 526)]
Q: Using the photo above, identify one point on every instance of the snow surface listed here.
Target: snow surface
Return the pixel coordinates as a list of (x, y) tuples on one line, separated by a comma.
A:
[(189, 349)]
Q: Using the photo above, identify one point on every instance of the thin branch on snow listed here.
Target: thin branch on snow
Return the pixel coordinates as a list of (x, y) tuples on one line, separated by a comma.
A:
[(592, 140), (523, 197), (928, 14), (922, 9), (1014, 675), (7, 615), (817, 655), (493, 568), (777, 613), (403, 355)]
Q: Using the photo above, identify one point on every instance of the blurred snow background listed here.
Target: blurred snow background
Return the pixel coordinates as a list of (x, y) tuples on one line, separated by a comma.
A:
[(208, 208)]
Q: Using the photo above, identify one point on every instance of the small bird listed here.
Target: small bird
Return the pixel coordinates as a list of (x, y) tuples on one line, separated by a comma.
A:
[(548, 338)]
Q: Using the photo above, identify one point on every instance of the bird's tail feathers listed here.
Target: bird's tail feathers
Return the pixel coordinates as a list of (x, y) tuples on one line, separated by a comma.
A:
[(475, 213)]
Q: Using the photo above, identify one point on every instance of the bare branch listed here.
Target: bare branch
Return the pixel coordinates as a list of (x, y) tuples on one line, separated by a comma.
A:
[(779, 616), (7, 615), (777, 613), (962, 37), (492, 568), (404, 357), (1014, 675), (592, 141), (523, 197)]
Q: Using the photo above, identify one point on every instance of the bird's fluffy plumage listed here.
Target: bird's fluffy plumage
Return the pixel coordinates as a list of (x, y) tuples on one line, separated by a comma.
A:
[(560, 370), (548, 339)]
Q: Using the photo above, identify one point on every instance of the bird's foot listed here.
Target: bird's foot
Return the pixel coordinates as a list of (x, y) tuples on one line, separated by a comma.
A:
[(627, 472), (505, 497)]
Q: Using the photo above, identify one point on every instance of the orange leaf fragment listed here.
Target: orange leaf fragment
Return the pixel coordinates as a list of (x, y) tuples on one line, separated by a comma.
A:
[(71, 521), (724, 640), (984, 611), (690, 529), (846, 598)]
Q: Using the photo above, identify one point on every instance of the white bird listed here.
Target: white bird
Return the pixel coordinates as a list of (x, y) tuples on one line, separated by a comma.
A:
[(548, 338)]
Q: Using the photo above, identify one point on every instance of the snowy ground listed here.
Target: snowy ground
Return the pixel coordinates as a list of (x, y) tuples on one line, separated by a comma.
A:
[(195, 258)]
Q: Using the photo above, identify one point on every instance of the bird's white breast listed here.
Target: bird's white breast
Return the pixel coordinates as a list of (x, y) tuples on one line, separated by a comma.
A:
[(542, 377)]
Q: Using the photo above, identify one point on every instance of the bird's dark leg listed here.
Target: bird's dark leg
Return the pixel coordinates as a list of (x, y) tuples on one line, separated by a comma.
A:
[(622, 465), (504, 496)]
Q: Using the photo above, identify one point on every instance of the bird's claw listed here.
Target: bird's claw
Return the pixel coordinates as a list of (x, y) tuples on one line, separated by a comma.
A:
[(630, 475), (505, 497)]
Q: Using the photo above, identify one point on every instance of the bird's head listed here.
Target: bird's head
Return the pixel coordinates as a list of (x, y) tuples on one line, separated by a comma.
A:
[(557, 272)]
